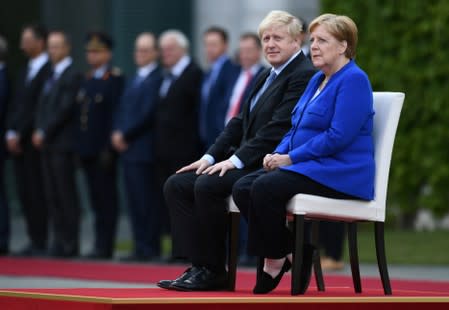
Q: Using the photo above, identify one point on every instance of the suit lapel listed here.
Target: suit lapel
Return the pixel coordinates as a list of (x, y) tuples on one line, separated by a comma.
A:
[(274, 86)]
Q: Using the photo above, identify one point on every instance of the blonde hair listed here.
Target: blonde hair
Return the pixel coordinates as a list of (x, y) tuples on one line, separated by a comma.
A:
[(341, 27), (281, 18)]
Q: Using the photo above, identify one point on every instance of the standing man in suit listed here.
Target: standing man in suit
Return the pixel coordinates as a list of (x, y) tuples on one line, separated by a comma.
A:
[(4, 97), (133, 138), (197, 194), (176, 121), (249, 56), (54, 136), (217, 85), (97, 102), (20, 124)]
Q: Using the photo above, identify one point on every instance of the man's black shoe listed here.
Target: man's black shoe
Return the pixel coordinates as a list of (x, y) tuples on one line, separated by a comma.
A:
[(202, 280), (187, 274), (98, 255), (31, 251), (266, 283), (134, 258)]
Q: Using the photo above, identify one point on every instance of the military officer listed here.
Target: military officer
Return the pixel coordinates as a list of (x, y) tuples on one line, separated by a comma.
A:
[(97, 100)]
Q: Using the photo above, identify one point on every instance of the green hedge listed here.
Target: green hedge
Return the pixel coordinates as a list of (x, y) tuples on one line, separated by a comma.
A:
[(404, 46)]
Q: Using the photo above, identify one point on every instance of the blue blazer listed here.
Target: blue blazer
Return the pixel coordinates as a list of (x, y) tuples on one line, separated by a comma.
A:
[(331, 136), (135, 117), (218, 101)]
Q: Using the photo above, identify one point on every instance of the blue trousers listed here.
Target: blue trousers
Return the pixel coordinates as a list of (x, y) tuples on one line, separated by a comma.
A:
[(143, 211)]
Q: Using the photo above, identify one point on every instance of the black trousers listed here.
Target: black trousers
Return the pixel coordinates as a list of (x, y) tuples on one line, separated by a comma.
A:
[(332, 238), (102, 184), (198, 213), (30, 189), (262, 198), (62, 200)]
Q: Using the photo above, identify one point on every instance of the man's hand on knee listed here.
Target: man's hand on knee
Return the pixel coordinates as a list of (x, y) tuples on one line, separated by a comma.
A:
[(221, 167), (199, 165)]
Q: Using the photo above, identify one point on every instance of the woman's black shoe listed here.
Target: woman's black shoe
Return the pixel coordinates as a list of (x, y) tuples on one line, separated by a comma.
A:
[(266, 283)]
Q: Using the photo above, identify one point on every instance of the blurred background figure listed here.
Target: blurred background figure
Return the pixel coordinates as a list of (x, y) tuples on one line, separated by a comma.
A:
[(4, 97), (217, 85), (177, 140), (331, 240), (249, 58), (20, 123), (97, 101), (54, 136), (133, 138)]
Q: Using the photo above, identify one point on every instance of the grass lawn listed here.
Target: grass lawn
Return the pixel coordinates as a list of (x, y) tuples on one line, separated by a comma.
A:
[(402, 246)]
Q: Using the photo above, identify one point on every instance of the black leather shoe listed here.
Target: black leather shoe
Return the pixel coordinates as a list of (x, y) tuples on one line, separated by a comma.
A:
[(31, 251), (266, 283), (98, 255), (202, 280), (187, 273), (306, 269), (134, 258)]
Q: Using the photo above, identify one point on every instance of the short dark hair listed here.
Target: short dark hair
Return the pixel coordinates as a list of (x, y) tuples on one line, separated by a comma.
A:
[(218, 30), (67, 38), (253, 36), (39, 31)]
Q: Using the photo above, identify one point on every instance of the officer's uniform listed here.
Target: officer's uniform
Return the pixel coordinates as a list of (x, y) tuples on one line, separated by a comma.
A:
[(97, 101)]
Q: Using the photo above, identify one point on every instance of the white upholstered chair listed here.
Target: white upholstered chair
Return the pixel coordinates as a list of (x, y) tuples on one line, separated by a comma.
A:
[(387, 106)]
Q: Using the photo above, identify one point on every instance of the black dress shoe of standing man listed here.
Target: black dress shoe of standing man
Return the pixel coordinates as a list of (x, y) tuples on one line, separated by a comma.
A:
[(187, 274), (202, 280)]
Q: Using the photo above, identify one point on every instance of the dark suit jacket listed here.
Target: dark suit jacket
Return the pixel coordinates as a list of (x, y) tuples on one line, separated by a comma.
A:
[(97, 103), (135, 117), (176, 123), (22, 110), (214, 111), (251, 135), (56, 112), (4, 99)]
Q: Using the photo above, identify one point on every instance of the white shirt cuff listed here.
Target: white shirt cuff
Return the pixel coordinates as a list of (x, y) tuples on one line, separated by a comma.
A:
[(209, 158), (237, 162)]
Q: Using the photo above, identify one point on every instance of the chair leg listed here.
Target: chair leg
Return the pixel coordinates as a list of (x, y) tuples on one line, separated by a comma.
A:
[(381, 258), (316, 257), (297, 253), (354, 256), (234, 219)]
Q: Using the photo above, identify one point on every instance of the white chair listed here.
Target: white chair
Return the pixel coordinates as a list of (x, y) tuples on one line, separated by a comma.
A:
[(387, 106)]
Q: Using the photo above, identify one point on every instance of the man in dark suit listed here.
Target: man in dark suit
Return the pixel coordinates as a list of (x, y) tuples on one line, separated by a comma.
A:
[(97, 102), (216, 86), (197, 194), (4, 97), (20, 124), (133, 138), (176, 121), (54, 136), (249, 56)]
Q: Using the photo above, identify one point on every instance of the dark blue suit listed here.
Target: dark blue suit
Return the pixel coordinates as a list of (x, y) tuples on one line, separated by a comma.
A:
[(135, 120), (98, 99), (4, 210), (213, 108)]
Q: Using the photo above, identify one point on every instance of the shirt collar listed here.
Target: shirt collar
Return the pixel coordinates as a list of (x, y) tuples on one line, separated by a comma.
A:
[(61, 66), (39, 61), (145, 70), (179, 67), (279, 69), (254, 69), (100, 72), (216, 66)]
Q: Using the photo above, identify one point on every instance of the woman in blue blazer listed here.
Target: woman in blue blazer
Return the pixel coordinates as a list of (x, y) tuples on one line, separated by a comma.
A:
[(328, 151)]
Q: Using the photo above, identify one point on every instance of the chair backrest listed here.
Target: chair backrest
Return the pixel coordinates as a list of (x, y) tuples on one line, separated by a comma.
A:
[(387, 107)]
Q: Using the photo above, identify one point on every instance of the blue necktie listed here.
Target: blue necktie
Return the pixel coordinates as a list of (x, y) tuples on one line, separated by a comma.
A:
[(137, 81), (49, 83), (264, 87)]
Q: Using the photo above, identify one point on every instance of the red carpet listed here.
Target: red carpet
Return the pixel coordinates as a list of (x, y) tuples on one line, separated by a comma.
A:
[(339, 293)]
